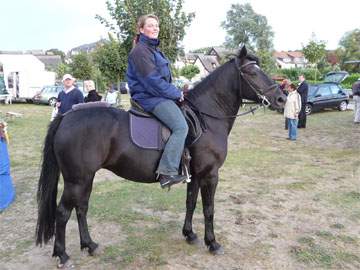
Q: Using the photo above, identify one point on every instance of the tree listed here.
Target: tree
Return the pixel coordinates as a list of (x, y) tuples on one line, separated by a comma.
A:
[(189, 71), (173, 20), (111, 59), (81, 67), (314, 51), (244, 26), (349, 48), (61, 70)]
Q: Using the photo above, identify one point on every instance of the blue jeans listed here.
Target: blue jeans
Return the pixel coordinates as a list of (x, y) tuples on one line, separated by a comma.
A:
[(292, 128), (170, 114)]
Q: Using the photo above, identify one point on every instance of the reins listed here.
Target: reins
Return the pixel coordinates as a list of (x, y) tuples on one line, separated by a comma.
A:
[(264, 101)]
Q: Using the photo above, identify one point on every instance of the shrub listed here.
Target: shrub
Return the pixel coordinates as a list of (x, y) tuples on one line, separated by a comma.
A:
[(348, 82)]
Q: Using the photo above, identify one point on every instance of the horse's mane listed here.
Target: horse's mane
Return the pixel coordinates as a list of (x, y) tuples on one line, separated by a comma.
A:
[(210, 80)]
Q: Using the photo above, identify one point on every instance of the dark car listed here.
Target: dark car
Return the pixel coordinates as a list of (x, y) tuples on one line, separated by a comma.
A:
[(328, 94)]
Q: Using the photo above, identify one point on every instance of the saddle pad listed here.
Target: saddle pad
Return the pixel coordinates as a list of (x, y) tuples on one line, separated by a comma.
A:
[(147, 132)]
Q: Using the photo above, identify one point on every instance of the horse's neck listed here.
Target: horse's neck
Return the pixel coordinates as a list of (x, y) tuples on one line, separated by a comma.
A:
[(221, 99)]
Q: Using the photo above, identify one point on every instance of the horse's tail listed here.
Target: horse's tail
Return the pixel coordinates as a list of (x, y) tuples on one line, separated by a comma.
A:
[(47, 187)]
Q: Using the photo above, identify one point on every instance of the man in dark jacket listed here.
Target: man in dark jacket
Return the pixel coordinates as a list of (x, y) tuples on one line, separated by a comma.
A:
[(69, 96), (303, 90)]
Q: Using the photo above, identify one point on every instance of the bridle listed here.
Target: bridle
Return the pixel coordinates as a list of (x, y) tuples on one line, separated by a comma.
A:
[(260, 94)]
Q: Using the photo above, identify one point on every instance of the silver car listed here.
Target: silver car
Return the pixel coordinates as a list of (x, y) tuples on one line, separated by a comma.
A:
[(48, 95)]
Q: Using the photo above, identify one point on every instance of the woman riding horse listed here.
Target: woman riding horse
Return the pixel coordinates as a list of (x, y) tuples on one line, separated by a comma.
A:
[(149, 80), (81, 142)]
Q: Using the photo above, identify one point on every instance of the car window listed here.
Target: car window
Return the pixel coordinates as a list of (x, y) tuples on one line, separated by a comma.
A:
[(324, 90), (334, 89)]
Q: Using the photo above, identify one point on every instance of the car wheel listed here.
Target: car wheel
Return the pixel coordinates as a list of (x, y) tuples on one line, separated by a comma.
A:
[(52, 102), (342, 106), (308, 109)]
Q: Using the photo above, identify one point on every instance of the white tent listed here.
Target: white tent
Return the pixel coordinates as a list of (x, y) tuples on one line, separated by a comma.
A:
[(24, 75)]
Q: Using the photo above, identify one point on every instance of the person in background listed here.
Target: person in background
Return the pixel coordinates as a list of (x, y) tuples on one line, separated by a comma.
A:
[(92, 95), (69, 96), (7, 191), (149, 79), (112, 96), (292, 110), (303, 90), (356, 98), (284, 86)]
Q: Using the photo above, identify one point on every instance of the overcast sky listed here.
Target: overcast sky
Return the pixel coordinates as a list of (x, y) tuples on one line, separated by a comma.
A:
[(64, 24)]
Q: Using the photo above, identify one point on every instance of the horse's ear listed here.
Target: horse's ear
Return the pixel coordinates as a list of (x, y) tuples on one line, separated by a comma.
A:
[(242, 52)]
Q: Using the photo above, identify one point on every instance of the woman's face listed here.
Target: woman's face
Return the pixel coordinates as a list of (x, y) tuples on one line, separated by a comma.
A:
[(151, 28)]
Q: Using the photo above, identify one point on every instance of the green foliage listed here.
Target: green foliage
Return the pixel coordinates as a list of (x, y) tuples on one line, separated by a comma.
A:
[(61, 70), (348, 82), (293, 73), (314, 51), (173, 20), (81, 67), (349, 49), (111, 59), (189, 71), (244, 26)]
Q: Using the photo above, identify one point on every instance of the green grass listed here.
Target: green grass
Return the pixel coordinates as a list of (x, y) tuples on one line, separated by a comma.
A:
[(308, 188)]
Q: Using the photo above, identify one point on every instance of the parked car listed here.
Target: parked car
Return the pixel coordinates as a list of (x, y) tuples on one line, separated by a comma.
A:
[(328, 94), (48, 95)]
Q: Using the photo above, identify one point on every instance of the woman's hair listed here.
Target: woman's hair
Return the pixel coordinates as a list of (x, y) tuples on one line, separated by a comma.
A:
[(293, 86), (140, 24), (89, 85)]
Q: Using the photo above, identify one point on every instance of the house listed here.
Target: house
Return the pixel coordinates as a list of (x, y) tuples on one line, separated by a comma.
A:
[(206, 65), (51, 61), (221, 53), (290, 59), (187, 59), (86, 48)]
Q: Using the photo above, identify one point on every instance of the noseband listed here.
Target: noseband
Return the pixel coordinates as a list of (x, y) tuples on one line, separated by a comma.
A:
[(261, 94)]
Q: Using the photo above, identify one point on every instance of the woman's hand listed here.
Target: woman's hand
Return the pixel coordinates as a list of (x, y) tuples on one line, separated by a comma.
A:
[(181, 99)]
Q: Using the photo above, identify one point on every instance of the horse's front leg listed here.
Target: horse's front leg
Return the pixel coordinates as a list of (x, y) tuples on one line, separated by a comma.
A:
[(81, 211), (208, 189), (191, 198)]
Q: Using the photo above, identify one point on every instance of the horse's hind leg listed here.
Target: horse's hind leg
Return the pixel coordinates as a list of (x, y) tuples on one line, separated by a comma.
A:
[(192, 194), (63, 213), (81, 212)]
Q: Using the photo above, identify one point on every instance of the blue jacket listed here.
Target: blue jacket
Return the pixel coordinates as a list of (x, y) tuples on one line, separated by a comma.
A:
[(149, 76)]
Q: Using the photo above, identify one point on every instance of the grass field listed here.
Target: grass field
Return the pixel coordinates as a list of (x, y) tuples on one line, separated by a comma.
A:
[(279, 204)]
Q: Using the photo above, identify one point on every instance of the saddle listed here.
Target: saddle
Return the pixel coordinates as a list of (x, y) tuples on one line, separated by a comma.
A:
[(149, 133)]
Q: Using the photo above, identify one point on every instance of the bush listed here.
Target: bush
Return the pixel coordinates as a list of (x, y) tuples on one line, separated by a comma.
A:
[(293, 73), (348, 82)]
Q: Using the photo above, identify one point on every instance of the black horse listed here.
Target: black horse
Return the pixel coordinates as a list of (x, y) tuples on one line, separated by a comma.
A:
[(81, 142)]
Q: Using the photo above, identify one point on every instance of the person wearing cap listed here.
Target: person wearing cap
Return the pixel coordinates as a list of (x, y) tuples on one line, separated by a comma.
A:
[(69, 96)]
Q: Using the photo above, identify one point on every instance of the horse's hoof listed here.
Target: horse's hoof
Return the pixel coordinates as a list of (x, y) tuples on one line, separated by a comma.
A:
[(216, 250), (67, 265), (95, 252), (192, 239)]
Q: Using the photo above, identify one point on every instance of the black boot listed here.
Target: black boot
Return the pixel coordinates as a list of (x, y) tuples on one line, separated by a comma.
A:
[(169, 180)]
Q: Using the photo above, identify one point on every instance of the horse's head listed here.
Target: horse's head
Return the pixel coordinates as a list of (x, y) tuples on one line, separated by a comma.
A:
[(256, 85)]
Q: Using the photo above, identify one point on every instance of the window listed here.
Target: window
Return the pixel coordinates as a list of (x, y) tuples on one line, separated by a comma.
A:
[(324, 90), (334, 89)]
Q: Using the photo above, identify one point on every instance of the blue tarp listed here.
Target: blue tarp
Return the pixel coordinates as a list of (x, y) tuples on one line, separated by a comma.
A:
[(7, 191)]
